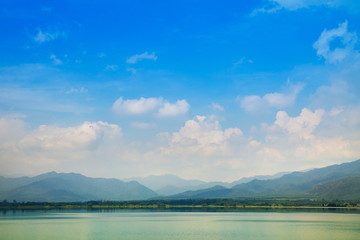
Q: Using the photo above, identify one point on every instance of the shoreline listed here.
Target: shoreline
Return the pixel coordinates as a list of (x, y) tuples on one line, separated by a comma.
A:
[(190, 204), (170, 207)]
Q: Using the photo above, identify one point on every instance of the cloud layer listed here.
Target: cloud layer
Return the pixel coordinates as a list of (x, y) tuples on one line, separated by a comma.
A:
[(52, 138), (255, 103), (157, 106)]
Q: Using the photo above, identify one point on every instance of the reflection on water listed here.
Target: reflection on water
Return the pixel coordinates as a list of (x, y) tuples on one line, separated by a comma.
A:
[(181, 224)]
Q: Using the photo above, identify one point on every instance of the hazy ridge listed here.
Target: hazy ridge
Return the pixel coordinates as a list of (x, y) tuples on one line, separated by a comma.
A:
[(332, 182)]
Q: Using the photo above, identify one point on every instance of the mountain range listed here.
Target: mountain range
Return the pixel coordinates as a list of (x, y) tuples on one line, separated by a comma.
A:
[(168, 184), (332, 182), (67, 187)]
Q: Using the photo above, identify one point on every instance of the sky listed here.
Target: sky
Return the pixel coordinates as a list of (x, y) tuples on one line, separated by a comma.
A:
[(209, 90)]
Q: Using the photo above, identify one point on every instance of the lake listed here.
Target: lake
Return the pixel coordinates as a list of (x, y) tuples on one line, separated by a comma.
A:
[(176, 225)]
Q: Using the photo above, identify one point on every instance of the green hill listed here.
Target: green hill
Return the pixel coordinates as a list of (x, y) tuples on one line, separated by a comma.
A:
[(347, 188)]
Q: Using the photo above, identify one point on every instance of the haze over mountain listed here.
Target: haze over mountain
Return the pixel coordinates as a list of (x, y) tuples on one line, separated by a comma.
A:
[(169, 184), (59, 187), (332, 182)]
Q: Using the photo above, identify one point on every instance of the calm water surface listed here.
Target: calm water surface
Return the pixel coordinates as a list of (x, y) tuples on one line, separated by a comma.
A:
[(148, 225)]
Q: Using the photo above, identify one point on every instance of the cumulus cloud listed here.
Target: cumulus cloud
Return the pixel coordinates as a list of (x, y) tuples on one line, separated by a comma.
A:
[(201, 135), (338, 54), (291, 142), (254, 103), (311, 138), (136, 106), (53, 138), (174, 109), (202, 147), (303, 125), (157, 106), (50, 147), (139, 57), (42, 37)]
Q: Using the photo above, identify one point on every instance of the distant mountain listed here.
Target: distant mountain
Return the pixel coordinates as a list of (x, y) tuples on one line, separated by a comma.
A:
[(156, 182), (169, 184), (7, 184), (332, 182), (59, 187), (213, 192), (171, 190), (296, 184), (258, 177)]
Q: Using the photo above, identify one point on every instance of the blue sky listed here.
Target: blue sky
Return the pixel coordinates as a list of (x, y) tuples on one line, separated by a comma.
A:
[(209, 90)]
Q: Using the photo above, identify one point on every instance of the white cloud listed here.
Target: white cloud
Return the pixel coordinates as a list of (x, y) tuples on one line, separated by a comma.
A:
[(158, 106), (303, 141), (174, 109), (303, 125), (139, 57), (136, 106), (251, 103), (56, 61), (112, 68), (312, 138), (42, 37), (201, 148), (50, 147), (201, 135), (254, 103), (217, 107), (348, 39), (52, 138)]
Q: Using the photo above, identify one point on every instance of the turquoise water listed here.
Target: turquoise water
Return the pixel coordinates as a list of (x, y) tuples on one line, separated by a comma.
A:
[(159, 225)]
